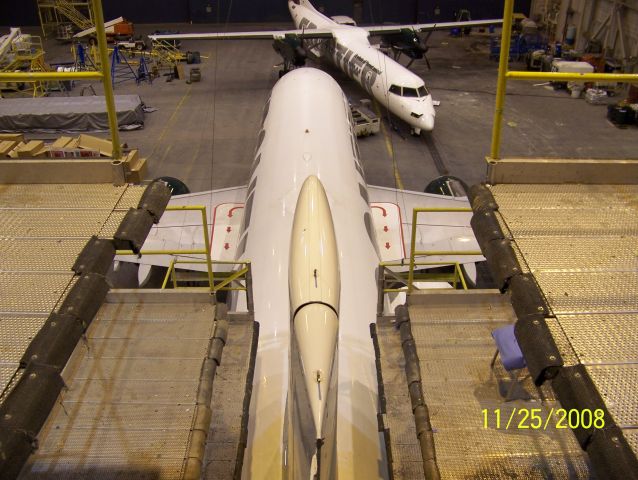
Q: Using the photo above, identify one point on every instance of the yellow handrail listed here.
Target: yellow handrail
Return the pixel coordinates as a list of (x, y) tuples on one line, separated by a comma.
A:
[(458, 274), (504, 74), (170, 274), (205, 251), (104, 76), (414, 252)]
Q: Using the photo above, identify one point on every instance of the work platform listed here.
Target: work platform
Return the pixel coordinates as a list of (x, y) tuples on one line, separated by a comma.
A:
[(563, 254), (128, 388), (580, 243), (435, 359), (43, 229), (142, 389)]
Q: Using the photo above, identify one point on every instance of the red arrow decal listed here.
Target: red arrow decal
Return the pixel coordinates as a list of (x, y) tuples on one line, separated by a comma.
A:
[(387, 245), (228, 229), (385, 228), (230, 212), (226, 246), (384, 213)]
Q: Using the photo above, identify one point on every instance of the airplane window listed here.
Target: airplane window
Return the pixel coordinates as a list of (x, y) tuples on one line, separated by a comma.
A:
[(265, 114), (254, 165), (423, 92), (241, 248), (410, 92), (260, 139), (353, 142), (395, 89), (252, 186), (364, 193), (247, 211), (367, 220)]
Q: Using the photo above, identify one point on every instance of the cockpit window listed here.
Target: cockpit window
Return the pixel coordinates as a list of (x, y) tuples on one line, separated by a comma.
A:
[(410, 92)]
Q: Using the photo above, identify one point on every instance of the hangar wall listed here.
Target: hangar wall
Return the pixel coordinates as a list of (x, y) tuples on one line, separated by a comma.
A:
[(619, 34), (24, 12)]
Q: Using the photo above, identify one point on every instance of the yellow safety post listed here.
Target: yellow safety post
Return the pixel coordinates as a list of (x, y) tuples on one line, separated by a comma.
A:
[(106, 77), (501, 86), (412, 247), (168, 274), (207, 247), (504, 74)]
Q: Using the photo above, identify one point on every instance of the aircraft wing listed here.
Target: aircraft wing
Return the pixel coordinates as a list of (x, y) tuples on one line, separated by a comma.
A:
[(262, 35), (183, 230), (427, 27), (436, 231), (391, 218)]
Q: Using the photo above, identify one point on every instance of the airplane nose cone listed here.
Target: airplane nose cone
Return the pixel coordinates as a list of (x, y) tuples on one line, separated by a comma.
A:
[(427, 122)]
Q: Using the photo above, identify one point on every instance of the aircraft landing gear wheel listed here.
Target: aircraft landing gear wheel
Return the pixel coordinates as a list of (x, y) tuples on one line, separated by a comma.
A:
[(177, 186)]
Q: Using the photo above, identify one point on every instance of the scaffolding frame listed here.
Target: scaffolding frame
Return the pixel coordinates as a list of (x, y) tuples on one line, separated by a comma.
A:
[(104, 75), (54, 13)]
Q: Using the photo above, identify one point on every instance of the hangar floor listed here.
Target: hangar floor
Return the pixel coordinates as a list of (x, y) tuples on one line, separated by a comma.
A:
[(204, 133)]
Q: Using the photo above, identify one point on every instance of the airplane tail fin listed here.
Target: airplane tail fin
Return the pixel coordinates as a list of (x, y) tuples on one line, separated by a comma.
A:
[(305, 3)]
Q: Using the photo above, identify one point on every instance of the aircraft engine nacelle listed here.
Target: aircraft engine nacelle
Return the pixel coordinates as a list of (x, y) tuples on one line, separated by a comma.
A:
[(291, 50), (406, 42)]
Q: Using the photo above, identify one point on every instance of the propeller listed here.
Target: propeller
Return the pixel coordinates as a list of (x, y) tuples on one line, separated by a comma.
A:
[(426, 47), (292, 50), (408, 42)]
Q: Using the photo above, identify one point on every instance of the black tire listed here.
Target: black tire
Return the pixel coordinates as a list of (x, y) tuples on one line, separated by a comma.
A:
[(178, 187), (438, 186)]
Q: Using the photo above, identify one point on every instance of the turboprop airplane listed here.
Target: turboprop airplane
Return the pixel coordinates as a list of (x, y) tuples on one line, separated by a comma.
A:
[(314, 232), (348, 47)]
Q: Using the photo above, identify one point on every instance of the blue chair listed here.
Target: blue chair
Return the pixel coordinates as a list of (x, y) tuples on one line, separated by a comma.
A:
[(511, 356)]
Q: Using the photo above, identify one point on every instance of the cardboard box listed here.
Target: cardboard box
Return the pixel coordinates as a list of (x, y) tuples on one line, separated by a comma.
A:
[(89, 142), (6, 146), (16, 137), (30, 149), (61, 143)]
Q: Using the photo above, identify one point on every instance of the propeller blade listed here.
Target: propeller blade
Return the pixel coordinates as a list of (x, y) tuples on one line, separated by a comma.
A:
[(427, 37)]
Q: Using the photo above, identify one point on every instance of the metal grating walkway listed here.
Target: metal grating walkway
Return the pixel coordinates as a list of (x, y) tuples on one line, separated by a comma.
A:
[(452, 332), (42, 230), (138, 403), (581, 244)]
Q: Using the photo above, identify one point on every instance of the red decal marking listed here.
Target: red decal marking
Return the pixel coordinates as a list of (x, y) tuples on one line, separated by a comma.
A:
[(387, 245), (385, 228), (384, 213), (226, 246), (228, 229), (230, 212)]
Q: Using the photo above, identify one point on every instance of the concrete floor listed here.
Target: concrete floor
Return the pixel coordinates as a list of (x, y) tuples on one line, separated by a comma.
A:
[(204, 133)]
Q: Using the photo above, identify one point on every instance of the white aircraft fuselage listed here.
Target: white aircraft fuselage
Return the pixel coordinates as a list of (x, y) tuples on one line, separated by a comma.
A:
[(307, 132), (390, 83)]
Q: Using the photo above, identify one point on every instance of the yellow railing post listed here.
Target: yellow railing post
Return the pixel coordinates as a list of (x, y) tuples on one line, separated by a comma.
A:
[(501, 86), (414, 253), (211, 279), (106, 77), (415, 212), (504, 74), (169, 273)]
